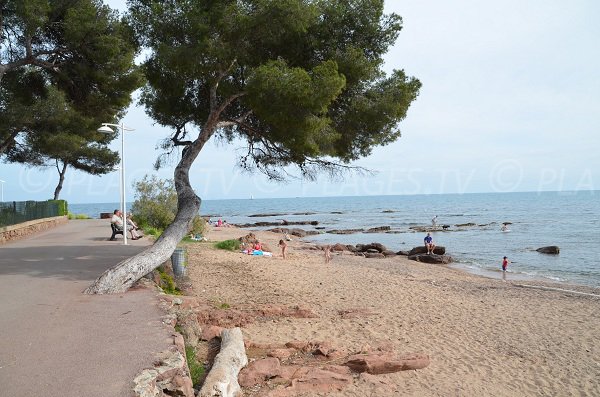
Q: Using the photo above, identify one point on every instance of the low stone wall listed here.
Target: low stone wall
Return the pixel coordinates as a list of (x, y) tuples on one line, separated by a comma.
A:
[(15, 232)]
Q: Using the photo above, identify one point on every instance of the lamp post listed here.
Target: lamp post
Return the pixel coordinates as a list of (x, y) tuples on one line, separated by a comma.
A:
[(2, 191), (107, 130)]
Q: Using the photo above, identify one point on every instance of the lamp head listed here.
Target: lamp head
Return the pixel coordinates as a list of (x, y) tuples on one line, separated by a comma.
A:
[(106, 130)]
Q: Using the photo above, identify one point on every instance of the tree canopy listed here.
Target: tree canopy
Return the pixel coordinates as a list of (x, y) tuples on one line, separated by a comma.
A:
[(60, 56), (300, 81)]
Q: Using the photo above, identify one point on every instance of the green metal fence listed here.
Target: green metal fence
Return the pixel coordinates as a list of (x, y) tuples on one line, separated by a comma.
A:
[(14, 212)]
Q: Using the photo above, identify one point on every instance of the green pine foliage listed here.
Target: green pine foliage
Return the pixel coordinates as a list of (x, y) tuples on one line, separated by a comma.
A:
[(298, 82), (80, 72)]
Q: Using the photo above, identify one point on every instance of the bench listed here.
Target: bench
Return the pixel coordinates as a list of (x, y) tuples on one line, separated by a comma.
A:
[(115, 231)]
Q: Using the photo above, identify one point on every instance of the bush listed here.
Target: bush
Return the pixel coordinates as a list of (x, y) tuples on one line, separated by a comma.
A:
[(198, 225), (71, 215), (155, 202), (230, 245)]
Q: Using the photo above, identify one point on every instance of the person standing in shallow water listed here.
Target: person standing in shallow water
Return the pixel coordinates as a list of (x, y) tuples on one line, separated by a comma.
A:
[(504, 264)]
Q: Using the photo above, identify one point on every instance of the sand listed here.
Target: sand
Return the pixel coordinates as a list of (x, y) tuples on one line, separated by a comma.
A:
[(485, 337)]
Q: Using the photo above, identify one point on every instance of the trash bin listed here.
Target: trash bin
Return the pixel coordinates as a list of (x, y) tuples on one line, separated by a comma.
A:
[(178, 262)]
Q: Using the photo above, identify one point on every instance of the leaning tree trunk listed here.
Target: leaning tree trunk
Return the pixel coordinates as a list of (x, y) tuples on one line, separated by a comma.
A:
[(121, 277), (61, 179)]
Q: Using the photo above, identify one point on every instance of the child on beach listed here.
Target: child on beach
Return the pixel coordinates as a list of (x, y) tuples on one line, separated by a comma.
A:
[(283, 246), (327, 254), (504, 264)]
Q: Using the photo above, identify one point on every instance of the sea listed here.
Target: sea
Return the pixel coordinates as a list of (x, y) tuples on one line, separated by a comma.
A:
[(569, 220)]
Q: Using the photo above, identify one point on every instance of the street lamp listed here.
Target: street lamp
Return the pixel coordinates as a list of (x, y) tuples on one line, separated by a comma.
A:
[(2, 191), (107, 130)]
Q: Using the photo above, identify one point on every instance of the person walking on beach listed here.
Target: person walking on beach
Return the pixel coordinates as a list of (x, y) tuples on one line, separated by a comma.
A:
[(428, 240), (434, 221), (504, 264), (327, 254), (283, 246)]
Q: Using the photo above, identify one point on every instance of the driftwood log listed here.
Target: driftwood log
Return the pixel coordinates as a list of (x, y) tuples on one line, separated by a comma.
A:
[(222, 380)]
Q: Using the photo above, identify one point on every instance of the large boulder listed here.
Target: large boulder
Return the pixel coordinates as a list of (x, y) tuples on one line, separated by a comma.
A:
[(551, 249), (373, 246), (339, 247), (431, 258), (401, 252), (438, 250)]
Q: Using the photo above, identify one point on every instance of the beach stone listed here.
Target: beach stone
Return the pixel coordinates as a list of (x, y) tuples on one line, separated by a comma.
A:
[(297, 344), (339, 247), (377, 255), (378, 229), (373, 246), (372, 251), (438, 250), (376, 364), (431, 258), (297, 232), (281, 354), (552, 250), (404, 253), (389, 253), (465, 224), (259, 371)]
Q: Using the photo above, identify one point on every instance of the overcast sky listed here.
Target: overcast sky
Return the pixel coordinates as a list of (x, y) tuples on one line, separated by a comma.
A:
[(510, 102)]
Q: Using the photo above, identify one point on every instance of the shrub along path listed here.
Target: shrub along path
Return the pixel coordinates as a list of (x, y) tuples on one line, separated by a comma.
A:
[(55, 340)]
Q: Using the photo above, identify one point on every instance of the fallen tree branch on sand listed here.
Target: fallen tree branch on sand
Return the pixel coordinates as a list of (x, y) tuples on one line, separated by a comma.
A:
[(222, 380)]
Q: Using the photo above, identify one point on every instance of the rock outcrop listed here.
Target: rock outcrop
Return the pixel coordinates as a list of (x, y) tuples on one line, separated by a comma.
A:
[(431, 258), (551, 249), (438, 250)]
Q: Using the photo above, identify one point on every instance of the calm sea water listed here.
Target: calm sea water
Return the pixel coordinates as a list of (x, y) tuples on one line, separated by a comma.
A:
[(568, 219)]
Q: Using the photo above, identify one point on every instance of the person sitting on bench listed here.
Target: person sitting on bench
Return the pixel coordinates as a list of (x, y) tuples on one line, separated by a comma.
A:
[(117, 220)]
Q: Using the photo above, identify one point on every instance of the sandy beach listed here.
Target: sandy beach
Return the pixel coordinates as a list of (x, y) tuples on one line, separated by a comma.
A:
[(484, 337)]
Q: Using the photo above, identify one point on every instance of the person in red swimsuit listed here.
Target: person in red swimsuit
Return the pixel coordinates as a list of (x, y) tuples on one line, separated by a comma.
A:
[(504, 264)]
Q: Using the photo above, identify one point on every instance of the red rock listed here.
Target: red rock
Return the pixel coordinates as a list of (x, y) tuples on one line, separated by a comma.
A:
[(183, 385), (323, 348), (312, 381), (259, 371), (211, 331), (297, 344), (386, 363), (281, 354)]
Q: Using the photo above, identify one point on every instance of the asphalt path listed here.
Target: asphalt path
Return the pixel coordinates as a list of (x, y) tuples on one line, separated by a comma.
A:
[(56, 341)]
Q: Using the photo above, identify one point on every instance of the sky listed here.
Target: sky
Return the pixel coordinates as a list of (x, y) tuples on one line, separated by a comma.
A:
[(510, 102)]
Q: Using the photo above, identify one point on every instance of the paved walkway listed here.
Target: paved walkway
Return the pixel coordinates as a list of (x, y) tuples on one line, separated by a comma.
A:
[(55, 341)]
